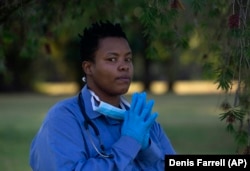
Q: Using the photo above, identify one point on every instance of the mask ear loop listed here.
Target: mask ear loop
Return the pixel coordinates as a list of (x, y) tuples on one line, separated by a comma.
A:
[(86, 124)]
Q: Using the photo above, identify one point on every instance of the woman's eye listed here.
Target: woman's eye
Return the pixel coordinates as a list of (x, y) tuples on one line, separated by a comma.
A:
[(129, 59), (112, 59)]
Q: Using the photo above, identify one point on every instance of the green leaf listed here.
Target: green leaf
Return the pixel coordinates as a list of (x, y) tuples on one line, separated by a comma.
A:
[(197, 5), (242, 138), (230, 128), (224, 78)]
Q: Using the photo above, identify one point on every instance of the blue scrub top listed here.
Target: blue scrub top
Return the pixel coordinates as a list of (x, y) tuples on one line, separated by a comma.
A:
[(63, 144)]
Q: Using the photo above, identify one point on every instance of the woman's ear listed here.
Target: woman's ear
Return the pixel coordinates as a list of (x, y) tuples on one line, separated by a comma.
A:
[(86, 67)]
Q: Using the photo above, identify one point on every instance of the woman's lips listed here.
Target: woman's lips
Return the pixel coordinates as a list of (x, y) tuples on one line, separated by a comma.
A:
[(124, 79)]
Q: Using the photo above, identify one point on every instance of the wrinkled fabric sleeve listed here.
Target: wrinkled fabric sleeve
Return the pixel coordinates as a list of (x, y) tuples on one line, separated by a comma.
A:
[(59, 146), (160, 146)]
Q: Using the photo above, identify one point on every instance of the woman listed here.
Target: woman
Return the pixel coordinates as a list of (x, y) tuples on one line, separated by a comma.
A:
[(99, 129)]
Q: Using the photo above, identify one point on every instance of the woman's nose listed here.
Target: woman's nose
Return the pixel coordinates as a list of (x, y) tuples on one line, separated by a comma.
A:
[(124, 66)]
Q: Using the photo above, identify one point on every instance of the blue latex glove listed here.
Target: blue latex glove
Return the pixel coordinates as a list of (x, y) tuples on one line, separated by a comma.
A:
[(145, 142), (138, 120)]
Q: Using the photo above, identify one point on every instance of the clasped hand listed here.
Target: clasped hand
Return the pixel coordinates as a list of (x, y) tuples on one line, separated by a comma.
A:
[(138, 119)]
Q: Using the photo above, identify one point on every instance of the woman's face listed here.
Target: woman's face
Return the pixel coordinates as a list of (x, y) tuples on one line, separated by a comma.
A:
[(112, 71)]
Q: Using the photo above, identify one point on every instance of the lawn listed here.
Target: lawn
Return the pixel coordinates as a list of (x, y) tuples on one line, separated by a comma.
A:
[(190, 121)]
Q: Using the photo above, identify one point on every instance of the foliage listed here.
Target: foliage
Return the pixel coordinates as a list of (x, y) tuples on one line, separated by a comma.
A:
[(40, 32), (230, 48), (235, 66), (224, 27)]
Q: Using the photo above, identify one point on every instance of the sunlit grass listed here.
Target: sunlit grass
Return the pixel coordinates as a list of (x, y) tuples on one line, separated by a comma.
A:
[(156, 87)]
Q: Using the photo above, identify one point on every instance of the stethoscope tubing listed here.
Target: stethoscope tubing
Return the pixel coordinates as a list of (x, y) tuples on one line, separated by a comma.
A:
[(87, 123)]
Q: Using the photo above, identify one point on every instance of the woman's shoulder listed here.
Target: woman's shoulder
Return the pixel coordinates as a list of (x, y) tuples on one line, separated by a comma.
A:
[(64, 106)]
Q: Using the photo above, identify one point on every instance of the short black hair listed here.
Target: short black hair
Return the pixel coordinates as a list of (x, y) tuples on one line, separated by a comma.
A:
[(89, 40)]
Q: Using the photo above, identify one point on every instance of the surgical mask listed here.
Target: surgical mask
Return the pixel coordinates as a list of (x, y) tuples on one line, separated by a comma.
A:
[(107, 109)]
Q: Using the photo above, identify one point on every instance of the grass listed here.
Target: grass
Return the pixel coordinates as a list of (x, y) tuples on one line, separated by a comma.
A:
[(190, 121)]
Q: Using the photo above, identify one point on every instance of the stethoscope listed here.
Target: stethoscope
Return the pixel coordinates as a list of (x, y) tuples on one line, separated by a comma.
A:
[(87, 123)]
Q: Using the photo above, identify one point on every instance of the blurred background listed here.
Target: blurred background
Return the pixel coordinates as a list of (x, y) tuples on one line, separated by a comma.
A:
[(191, 56)]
